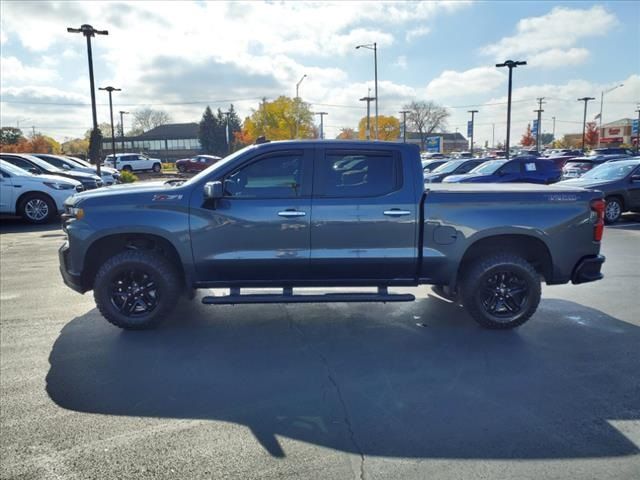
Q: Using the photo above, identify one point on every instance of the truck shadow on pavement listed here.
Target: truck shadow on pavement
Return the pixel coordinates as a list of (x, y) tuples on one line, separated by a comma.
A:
[(414, 380)]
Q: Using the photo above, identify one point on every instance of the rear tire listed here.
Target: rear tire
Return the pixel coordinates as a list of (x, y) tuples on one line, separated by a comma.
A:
[(136, 289), (612, 210), (126, 168), (37, 208), (501, 292), (181, 168)]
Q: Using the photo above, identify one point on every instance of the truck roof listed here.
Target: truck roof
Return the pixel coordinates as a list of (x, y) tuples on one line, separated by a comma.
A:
[(500, 187), (370, 144)]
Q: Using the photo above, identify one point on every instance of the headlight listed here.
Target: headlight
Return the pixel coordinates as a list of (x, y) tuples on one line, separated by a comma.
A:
[(59, 186), (76, 213)]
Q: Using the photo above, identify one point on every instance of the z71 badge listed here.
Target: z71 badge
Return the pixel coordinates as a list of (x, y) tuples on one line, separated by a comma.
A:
[(163, 197)]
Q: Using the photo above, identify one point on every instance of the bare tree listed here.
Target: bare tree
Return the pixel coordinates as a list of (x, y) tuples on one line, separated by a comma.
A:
[(426, 118), (146, 118)]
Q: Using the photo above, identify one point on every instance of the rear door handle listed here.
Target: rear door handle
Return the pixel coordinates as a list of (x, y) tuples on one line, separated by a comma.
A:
[(396, 212), (291, 213)]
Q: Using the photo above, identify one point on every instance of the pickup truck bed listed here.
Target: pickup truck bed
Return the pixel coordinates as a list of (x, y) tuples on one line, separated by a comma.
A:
[(328, 214)]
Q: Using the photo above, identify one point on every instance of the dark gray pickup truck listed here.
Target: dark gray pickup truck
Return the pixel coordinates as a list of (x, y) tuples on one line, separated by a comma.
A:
[(327, 214)]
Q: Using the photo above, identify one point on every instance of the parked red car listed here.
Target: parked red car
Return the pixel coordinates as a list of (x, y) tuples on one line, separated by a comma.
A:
[(196, 164)]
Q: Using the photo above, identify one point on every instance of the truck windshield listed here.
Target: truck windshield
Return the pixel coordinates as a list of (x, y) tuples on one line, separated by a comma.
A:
[(207, 171), (609, 171), (488, 168)]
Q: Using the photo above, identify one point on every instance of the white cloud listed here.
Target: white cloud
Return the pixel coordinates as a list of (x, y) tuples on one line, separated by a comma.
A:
[(559, 29), (15, 72), (401, 62), (417, 33), (559, 58), (451, 83)]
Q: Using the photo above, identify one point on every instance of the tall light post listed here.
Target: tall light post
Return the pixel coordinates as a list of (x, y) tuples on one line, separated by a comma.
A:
[(472, 112), (510, 64), (404, 124), (122, 128), (113, 133), (638, 132), (227, 115), (368, 99), (601, 105), (322, 114), (88, 31), (554, 128), (584, 120), (297, 101), (374, 47)]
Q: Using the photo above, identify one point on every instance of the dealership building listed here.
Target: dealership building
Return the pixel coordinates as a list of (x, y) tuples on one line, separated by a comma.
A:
[(167, 142), (616, 133), (441, 142)]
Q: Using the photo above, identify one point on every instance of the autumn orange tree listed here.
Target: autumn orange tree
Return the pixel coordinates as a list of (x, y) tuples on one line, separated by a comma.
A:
[(282, 119), (36, 144), (591, 135), (388, 128), (347, 134), (528, 139)]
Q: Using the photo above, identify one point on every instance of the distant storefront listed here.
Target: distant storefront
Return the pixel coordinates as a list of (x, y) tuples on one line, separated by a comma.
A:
[(616, 133), (167, 142), (445, 142)]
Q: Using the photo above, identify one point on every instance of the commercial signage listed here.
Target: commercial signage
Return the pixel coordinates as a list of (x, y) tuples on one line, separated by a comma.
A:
[(634, 127), (534, 129), (469, 128), (434, 144), (613, 131)]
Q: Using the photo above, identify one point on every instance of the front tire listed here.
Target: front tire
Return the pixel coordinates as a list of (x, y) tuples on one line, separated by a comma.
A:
[(37, 208), (157, 167), (136, 289), (612, 210), (501, 292)]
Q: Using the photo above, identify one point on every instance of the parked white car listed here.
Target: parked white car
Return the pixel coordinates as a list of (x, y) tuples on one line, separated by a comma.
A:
[(36, 198), (133, 162), (109, 175)]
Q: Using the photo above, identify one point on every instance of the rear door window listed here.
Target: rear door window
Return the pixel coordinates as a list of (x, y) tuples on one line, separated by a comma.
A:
[(510, 168), (357, 174)]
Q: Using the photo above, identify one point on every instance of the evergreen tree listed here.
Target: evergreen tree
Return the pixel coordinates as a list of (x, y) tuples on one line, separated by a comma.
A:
[(207, 131)]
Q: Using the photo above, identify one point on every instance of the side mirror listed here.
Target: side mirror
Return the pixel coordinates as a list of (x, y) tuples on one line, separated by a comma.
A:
[(35, 171), (213, 190), (66, 167)]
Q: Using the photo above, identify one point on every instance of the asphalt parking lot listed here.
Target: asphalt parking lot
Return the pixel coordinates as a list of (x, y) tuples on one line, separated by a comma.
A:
[(331, 391)]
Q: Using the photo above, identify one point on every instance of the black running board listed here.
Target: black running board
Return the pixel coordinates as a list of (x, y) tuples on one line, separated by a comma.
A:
[(287, 297)]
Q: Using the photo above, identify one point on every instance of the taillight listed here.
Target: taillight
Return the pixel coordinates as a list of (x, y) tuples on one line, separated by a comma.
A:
[(597, 208)]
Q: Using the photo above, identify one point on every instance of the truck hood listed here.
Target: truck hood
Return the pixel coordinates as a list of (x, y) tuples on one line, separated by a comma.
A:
[(588, 183), (124, 190)]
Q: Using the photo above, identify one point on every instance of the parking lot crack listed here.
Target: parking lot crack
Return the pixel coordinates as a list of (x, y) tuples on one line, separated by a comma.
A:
[(336, 386)]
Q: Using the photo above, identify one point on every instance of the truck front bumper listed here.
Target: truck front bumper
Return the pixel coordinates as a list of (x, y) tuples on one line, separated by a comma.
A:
[(588, 269), (71, 279)]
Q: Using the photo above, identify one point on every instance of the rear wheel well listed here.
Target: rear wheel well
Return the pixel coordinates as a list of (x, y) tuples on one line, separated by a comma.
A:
[(533, 250), (33, 192), (104, 248)]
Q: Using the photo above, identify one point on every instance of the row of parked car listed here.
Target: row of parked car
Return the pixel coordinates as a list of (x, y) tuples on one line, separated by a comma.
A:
[(616, 175), (36, 185)]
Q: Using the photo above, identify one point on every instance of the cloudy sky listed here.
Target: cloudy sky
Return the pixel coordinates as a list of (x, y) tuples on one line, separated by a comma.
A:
[(181, 56)]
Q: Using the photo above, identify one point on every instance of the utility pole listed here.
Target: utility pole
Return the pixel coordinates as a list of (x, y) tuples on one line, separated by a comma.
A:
[(88, 31), (493, 135), (584, 120), (472, 112), (122, 128), (374, 46), (33, 131), (227, 114), (368, 99), (511, 64), (404, 125), (554, 128), (638, 132), (264, 116), (539, 130), (113, 133), (322, 114)]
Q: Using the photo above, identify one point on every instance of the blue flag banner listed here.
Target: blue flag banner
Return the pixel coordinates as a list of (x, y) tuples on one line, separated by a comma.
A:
[(634, 127), (534, 128), (469, 128)]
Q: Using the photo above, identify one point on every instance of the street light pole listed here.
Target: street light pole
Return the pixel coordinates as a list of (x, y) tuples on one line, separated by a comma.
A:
[(472, 112), (88, 31), (368, 99), (584, 120), (374, 46), (553, 134), (404, 125), (297, 101), (601, 105), (227, 114), (122, 128), (510, 64), (539, 129), (638, 133), (322, 114), (113, 133)]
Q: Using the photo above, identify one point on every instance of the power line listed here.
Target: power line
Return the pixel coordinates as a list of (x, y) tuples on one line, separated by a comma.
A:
[(68, 104)]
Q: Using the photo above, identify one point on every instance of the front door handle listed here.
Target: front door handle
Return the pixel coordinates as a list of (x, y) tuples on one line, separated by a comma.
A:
[(291, 213), (396, 212)]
